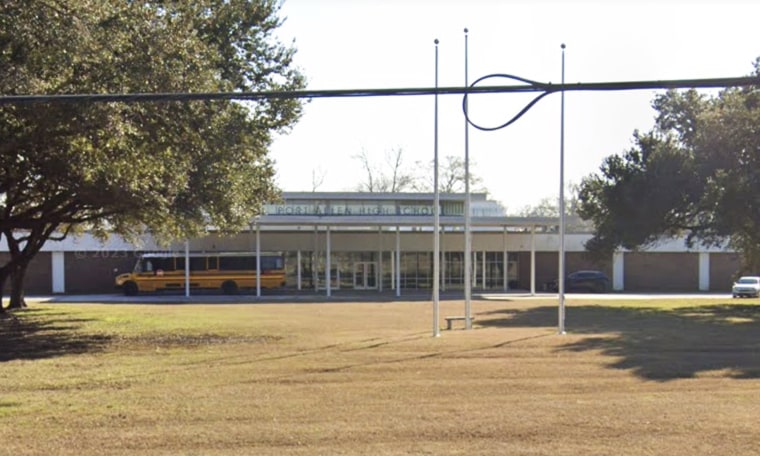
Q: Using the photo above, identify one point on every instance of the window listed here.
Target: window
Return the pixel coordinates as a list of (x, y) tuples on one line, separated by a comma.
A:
[(196, 263), (271, 262), (237, 263), (157, 263)]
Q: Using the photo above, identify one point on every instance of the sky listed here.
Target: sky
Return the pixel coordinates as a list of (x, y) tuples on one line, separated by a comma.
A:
[(372, 44)]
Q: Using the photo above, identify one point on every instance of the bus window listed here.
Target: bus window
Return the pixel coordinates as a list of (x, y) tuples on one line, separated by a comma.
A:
[(154, 264), (196, 263), (237, 263), (213, 263), (162, 263)]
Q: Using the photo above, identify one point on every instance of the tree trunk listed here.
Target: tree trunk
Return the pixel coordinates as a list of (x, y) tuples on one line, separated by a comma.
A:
[(3, 277), (17, 300)]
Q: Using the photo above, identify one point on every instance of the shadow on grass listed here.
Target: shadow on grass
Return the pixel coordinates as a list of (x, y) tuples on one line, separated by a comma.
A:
[(657, 344), (27, 335)]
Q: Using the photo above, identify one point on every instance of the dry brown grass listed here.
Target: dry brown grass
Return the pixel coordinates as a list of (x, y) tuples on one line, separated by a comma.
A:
[(629, 378)]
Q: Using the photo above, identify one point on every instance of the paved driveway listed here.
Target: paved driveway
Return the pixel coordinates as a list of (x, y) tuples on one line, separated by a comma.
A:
[(611, 296)]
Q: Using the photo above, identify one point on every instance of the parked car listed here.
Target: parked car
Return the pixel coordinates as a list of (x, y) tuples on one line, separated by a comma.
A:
[(748, 286), (583, 281)]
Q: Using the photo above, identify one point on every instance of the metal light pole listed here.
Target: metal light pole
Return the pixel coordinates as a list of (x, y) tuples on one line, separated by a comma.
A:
[(436, 211), (561, 283), (467, 202)]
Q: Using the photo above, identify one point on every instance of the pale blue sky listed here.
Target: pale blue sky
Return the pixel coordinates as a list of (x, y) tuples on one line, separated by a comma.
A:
[(344, 44)]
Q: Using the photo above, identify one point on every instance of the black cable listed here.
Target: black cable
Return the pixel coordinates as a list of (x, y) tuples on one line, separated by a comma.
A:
[(548, 88), (529, 86)]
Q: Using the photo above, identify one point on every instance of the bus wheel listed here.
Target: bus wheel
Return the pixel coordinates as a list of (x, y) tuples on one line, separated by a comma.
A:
[(229, 287), (130, 289)]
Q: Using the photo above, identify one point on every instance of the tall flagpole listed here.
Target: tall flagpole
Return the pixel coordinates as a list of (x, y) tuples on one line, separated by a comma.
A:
[(436, 212), (467, 202), (561, 288)]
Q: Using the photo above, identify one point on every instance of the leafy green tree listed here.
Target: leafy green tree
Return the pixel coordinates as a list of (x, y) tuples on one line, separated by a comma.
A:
[(695, 174), (167, 168)]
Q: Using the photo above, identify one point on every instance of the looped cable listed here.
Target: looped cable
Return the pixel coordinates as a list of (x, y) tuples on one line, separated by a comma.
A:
[(532, 86)]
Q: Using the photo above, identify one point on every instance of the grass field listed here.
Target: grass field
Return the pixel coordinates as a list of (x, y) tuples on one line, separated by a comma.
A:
[(670, 377)]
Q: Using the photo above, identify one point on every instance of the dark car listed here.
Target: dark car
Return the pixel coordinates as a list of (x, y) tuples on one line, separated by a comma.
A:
[(584, 282)]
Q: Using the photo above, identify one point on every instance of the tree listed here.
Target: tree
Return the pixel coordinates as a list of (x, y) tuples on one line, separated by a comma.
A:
[(549, 207), (168, 168), (395, 179), (451, 176), (695, 174), (317, 178)]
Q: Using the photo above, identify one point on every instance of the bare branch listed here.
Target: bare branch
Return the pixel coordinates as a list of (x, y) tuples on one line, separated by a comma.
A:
[(369, 184), (317, 178)]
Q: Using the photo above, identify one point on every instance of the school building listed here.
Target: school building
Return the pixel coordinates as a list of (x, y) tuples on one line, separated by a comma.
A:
[(379, 242)]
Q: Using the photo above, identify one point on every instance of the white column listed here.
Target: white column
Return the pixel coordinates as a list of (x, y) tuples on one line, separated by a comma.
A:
[(505, 262), (704, 271), (298, 270), (393, 270), (315, 260), (533, 260), (258, 261), (474, 269), (58, 264), (443, 261), (379, 276), (483, 269), (328, 266), (398, 262), (187, 268), (618, 271)]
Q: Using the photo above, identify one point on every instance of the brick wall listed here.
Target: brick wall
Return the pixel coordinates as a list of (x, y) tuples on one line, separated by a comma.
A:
[(94, 271), (547, 267), (724, 268), (661, 271), (39, 275)]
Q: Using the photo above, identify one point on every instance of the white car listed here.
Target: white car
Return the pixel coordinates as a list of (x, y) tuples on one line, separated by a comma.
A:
[(748, 286)]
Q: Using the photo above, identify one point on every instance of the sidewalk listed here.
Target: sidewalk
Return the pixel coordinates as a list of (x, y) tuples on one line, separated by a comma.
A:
[(271, 296), (310, 296)]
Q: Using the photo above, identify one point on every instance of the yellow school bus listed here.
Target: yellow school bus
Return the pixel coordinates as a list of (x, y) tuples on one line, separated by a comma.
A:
[(227, 272)]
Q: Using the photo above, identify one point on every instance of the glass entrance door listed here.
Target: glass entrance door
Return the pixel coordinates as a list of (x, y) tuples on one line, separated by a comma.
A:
[(364, 276)]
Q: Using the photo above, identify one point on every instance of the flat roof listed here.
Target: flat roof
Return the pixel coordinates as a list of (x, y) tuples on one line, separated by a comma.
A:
[(402, 220), (290, 213), (381, 196)]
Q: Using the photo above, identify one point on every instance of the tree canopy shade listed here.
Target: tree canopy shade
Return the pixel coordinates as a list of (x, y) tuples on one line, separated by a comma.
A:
[(696, 173), (168, 168)]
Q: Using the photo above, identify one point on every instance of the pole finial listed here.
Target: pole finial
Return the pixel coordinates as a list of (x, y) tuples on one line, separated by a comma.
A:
[(466, 31), (435, 41), (562, 46)]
